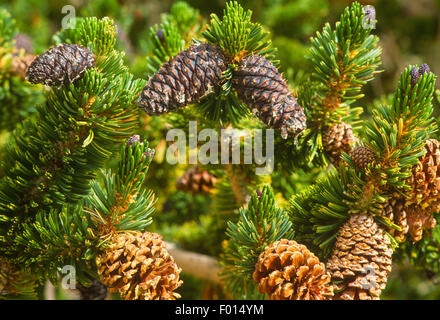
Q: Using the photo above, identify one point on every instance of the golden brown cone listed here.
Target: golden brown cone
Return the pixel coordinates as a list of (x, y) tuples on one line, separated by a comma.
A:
[(287, 270), (138, 266), (425, 179), (336, 139), (418, 221), (423, 200), (361, 260)]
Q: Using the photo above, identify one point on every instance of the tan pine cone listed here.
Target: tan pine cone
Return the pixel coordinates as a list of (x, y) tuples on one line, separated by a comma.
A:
[(138, 267), (20, 64), (287, 270), (336, 139), (395, 211), (361, 260), (196, 181), (419, 221), (425, 179), (362, 157)]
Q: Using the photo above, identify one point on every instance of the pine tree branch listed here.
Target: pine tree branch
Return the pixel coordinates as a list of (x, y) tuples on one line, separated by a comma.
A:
[(236, 182), (196, 264)]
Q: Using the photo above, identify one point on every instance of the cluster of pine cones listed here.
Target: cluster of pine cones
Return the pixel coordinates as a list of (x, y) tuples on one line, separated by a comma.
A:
[(358, 268), (362, 256), (198, 71)]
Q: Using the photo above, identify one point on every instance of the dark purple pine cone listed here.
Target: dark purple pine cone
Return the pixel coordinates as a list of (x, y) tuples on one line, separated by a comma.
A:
[(60, 65), (424, 68), (260, 85), (189, 76), (416, 73)]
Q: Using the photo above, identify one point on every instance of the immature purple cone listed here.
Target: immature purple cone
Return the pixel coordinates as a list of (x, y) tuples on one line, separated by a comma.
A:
[(189, 76), (260, 85), (60, 65)]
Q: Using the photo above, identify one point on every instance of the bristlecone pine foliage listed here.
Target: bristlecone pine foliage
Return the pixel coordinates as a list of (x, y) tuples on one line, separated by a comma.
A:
[(189, 76), (60, 65), (336, 139), (196, 181), (362, 157), (361, 260), (138, 267), (287, 270), (259, 84)]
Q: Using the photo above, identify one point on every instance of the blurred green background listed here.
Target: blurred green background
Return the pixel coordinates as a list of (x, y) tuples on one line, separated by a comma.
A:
[(409, 33)]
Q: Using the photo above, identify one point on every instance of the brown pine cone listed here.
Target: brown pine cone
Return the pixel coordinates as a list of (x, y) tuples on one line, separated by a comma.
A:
[(361, 260), (189, 76), (287, 270), (336, 139), (60, 65), (419, 221), (362, 157), (259, 84), (196, 181), (395, 211), (138, 267), (425, 179)]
